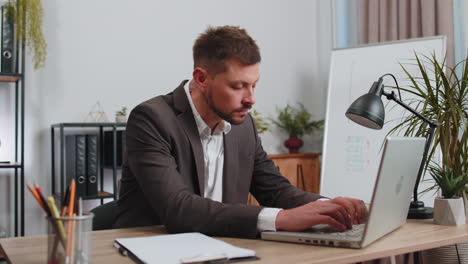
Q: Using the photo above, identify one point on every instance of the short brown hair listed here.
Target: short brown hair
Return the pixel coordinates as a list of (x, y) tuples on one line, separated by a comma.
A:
[(214, 46)]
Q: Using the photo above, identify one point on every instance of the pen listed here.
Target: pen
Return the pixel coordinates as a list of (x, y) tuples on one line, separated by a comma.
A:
[(121, 249), (211, 261), (79, 248), (205, 259)]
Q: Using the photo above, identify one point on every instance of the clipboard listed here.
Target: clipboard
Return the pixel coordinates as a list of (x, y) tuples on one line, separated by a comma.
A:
[(186, 248)]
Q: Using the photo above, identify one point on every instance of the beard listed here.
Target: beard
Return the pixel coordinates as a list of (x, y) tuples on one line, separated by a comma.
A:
[(228, 117)]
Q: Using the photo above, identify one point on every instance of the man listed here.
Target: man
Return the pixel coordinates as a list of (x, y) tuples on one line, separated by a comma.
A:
[(194, 155)]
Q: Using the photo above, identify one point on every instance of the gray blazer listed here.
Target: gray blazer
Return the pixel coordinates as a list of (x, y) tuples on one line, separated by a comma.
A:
[(162, 178)]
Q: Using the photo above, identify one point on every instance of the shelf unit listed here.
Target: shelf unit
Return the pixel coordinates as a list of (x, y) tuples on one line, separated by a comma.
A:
[(61, 127), (17, 165)]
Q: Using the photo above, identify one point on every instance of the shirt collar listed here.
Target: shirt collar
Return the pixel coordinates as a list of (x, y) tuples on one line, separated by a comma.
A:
[(203, 129)]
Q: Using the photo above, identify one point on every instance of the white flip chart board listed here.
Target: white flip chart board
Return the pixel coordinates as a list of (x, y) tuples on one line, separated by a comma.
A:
[(351, 153)]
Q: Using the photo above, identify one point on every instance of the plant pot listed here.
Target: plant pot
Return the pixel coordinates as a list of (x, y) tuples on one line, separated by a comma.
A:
[(449, 211), (120, 119), (293, 144)]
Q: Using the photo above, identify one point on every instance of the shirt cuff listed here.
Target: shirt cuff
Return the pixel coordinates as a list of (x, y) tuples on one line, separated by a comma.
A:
[(323, 199), (267, 219)]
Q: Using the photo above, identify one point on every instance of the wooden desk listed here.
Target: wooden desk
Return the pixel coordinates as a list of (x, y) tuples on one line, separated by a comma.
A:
[(416, 235)]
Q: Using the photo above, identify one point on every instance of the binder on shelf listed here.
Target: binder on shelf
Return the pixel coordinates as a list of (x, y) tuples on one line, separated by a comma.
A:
[(109, 150), (75, 149), (91, 165), (8, 52)]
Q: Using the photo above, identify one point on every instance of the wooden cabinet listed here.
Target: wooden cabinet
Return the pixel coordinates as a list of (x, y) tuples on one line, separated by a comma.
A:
[(302, 170)]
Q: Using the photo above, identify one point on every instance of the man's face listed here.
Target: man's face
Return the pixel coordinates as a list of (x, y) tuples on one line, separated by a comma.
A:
[(231, 94)]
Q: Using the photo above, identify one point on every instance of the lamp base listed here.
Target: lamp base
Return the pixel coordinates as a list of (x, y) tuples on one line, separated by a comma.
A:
[(418, 211)]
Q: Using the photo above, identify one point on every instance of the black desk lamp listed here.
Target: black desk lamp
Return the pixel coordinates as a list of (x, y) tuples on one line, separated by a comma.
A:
[(368, 110)]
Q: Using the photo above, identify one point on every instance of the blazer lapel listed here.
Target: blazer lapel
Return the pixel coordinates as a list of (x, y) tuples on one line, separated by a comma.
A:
[(190, 127), (230, 170)]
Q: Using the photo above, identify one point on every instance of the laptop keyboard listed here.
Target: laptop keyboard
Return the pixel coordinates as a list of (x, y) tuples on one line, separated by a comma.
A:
[(356, 231)]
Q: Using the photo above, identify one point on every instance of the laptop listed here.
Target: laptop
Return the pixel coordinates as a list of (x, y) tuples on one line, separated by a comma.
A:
[(389, 206)]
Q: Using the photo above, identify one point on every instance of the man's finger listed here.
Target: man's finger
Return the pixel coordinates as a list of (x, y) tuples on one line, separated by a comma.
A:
[(364, 213), (351, 208), (338, 213), (328, 220), (355, 212)]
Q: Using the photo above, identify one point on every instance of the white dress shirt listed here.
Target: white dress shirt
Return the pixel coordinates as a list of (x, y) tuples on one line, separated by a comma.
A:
[(213, 150)]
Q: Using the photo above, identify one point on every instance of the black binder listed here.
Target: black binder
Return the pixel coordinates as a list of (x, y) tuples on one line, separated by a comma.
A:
[(109, 150), (91, 165), (75, 162), (8, 61)]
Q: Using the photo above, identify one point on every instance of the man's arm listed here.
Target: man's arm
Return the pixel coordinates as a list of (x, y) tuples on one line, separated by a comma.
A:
[(149, 146), (303, 209), (340, 213)]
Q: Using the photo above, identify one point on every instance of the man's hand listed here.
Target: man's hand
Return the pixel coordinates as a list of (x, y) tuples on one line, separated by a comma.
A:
[(355, 208), (340, 213)]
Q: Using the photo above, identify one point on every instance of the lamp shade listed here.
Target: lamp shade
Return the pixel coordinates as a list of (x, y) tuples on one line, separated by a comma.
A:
[(368, 110)]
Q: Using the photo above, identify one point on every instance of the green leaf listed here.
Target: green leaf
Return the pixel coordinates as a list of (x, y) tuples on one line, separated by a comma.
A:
[(261, 124), (440, 94), (296, 121)]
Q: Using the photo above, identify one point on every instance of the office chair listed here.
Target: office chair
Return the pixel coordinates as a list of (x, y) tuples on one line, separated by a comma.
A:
[(104, 216)]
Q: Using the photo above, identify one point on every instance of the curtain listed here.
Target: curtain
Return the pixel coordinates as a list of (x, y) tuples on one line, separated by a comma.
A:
[(387, 20), (460, 28)]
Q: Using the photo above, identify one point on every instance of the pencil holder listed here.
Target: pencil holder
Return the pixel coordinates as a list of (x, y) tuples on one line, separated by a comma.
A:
[(70, 239)]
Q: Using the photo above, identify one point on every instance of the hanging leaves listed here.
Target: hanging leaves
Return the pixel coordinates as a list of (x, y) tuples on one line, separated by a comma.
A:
[(28, 16)]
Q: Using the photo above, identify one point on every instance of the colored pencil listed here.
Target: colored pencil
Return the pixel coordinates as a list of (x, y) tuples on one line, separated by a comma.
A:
[(54, 213), (71, 202), (65, 199), (41, 196), (36, 196), (71, 207)]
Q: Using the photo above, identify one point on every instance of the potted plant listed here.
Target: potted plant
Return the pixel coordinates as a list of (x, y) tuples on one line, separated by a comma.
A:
[(442, 95), (121, 115), (260, 123), (448, 208), (27, 16), (296, 122)]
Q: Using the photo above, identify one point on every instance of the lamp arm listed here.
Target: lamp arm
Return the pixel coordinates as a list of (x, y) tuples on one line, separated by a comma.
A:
[(430, 135), (394, 78), (427, 146), (391, 96)]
